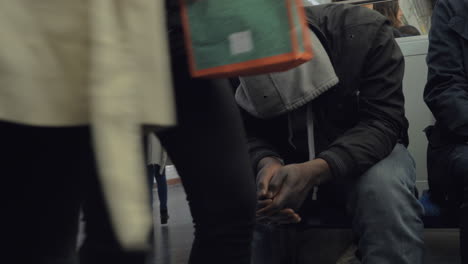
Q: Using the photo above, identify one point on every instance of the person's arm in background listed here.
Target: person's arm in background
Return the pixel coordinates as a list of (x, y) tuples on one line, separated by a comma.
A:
[(381, 111), (446, 92)]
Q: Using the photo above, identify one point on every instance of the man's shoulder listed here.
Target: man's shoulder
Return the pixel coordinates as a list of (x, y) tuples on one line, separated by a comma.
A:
[(454, 4), (453, 7), (343, 16)]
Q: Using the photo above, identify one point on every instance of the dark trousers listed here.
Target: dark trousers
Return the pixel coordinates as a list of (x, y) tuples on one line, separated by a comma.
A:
[(209, 151), (48, 173), (100, 244), (450, 163), (154, 174)]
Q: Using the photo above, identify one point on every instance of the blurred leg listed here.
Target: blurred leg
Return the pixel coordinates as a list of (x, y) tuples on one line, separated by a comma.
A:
[(458, 168), (209, 151), (150, 170), (464, 230), (43, 183), (100, 244), (161, 182)]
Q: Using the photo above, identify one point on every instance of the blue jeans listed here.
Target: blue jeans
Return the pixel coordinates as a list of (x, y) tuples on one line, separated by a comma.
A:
[(385, 213), (153, 173)]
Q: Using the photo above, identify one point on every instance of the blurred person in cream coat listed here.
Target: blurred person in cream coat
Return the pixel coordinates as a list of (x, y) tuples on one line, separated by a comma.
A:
[(78, 81)]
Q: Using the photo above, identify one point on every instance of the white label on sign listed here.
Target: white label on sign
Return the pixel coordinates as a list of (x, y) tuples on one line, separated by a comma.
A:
[(241, 42)]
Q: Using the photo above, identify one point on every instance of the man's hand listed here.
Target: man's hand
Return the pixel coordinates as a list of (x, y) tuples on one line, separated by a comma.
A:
[(267, 167), (285, 216), (289, 185)]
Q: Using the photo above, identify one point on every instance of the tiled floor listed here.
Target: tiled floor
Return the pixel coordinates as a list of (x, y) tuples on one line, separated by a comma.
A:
[(173, 241)]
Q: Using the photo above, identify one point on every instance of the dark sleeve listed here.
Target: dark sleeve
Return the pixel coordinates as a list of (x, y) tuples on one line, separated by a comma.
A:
[(446, 92), (258, 145), (381, 110)]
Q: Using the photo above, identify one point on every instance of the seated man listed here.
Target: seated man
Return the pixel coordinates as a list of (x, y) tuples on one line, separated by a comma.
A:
[(339, 120), (446, 94)]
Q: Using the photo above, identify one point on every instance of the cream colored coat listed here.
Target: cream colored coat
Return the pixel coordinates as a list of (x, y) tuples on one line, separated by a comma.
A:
[(98, 62)]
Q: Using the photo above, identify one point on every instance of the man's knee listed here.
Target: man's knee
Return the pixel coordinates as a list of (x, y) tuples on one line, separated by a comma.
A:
[(390, 177), (386, 195), (388, 188)]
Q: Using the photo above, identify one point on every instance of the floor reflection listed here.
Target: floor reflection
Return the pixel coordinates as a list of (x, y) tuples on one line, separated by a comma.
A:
[(163, 248), (174, 240)]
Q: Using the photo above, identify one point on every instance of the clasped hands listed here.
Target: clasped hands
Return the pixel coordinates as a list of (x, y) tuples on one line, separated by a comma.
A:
[(282, 189)]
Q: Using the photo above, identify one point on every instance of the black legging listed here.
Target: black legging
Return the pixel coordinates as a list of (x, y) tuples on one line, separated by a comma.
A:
[(209, 153)]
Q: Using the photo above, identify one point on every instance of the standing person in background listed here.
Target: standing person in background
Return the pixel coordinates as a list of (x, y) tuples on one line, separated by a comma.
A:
[(156, 161), (368, 6), (446, 94), (409, 31), (392, 11)]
